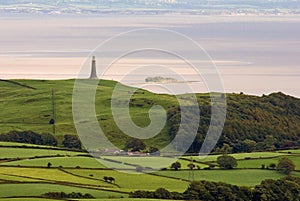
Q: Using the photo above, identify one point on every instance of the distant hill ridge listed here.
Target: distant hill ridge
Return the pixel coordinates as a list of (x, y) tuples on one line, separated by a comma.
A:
[(16, 83)]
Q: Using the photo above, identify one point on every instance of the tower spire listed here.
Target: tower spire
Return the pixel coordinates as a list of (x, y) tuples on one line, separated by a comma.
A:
[(93, 71)]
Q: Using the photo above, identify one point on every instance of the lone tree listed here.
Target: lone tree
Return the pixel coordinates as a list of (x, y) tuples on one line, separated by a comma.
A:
[(285, 165), (135, 144), (272, 166), (191, 166), (226, 162), (176, 166), (49, 165)]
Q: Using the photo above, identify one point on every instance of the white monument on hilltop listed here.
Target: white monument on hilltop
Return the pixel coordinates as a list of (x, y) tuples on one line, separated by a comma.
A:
[(93, 70)]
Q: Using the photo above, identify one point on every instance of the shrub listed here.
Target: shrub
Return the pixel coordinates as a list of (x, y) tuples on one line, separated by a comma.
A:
[(272, 166), (285, 165), (139, 169), (226, 162), (176, 165), (71, 141), (134, 144), (63, 195), (28, 137)]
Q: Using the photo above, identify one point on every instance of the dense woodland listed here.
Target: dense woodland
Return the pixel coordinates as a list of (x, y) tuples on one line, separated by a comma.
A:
[(286, 189), (252, 123)]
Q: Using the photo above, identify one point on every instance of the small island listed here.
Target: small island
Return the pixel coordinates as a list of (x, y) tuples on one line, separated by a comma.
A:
[(159, 79)]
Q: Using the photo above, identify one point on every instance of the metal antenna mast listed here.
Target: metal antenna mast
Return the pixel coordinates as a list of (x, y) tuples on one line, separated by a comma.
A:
[(191, 170), (53, 111)]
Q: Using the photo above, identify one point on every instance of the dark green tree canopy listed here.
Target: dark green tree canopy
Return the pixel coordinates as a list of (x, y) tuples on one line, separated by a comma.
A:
[(285, 165), (71, 141), (29, 137), (176, 165), (252, 123), (286, 189), (226, 162), (134, 144)]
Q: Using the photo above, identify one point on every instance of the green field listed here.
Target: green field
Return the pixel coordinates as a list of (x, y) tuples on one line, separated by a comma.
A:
[(51, 175), (26, 199), (13, 178), (133, 181), (158, 162), (213, 158), (293, 151), (236, 177), (257, 163), (9, 190), (10, 144), (83, 162), (27, 153)]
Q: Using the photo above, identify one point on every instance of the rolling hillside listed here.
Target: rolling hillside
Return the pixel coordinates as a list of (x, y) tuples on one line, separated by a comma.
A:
[(31, 104)]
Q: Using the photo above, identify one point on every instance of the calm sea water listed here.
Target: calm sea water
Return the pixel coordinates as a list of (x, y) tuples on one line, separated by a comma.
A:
[(254, 55)]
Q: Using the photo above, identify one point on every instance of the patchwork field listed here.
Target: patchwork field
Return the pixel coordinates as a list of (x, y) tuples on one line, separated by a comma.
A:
[(24, 172)]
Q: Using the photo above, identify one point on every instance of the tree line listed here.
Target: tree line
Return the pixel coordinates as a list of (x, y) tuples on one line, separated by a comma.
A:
[(63, 195), (287, 189), (30, 137), (252, 123), (285, 165)]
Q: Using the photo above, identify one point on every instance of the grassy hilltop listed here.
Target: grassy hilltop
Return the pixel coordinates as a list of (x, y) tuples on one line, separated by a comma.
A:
[(27, 105)]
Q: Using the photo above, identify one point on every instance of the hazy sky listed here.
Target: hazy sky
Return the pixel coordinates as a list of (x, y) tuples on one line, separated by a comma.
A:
[(255, 55)]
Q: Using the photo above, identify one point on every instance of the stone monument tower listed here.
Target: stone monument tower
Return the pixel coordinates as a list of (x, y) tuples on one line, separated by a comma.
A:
[(93, 71)]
